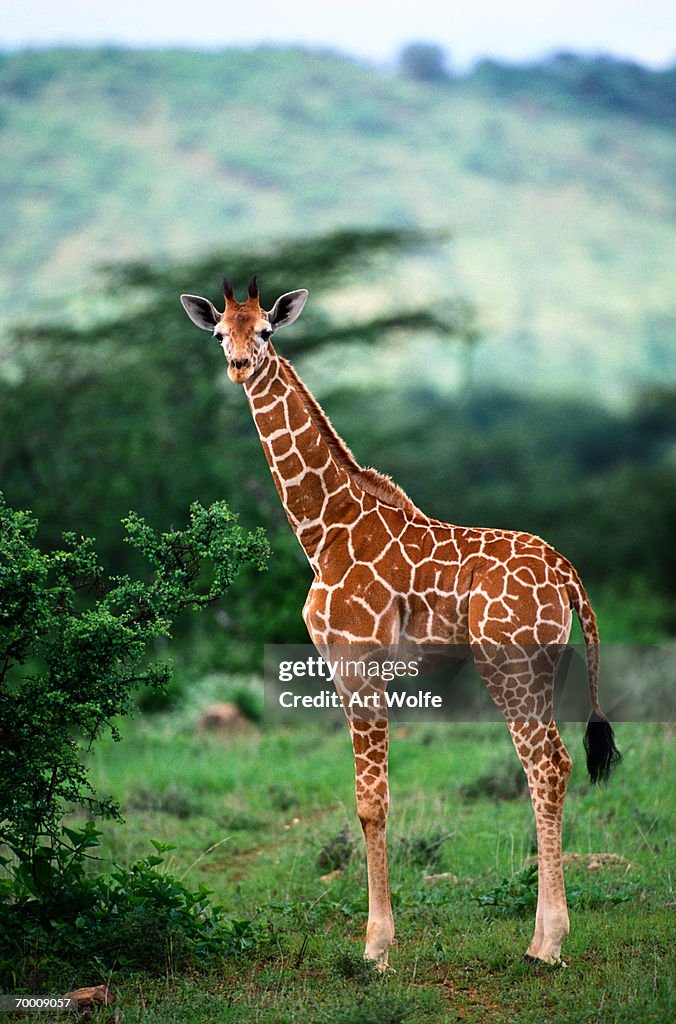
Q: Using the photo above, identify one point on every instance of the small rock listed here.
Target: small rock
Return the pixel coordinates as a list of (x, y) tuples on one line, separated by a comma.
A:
[(445, 876), (88, 998), (595, 861), (222, 718), (331, 875), (592, 861)]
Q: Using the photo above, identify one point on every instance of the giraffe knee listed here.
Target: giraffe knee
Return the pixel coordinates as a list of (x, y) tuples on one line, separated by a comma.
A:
[(552, 762), (559, 757), (371, 811)]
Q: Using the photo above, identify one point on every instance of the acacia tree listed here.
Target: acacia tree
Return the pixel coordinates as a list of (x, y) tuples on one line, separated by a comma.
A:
[(122, 407)]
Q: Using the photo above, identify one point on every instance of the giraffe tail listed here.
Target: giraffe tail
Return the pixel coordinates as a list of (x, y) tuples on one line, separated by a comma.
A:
[(599, 740)]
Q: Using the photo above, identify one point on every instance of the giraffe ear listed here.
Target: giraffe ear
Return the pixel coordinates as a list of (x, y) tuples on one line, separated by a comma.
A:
[(200, 311), (287, 308)]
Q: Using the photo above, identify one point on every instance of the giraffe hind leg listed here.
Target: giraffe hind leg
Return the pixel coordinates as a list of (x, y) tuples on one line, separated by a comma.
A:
[(547, 765), (522, 688)]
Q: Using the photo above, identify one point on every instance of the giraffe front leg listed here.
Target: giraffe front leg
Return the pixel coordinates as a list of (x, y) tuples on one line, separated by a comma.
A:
[(369, 742), (548, 766)]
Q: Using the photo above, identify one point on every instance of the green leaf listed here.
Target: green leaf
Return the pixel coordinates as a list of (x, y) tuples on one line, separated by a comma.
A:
[(163, 847)]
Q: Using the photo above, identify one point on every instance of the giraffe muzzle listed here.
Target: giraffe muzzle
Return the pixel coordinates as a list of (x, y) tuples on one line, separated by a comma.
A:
[(239, 370)]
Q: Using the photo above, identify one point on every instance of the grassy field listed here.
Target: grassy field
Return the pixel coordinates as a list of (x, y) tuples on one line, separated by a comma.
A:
[(264, 817)]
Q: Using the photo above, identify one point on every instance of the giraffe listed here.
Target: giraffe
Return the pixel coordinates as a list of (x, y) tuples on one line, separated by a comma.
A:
[(385, 573)]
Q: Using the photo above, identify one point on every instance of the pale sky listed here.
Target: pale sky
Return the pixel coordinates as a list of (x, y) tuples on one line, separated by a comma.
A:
[(642, 30)]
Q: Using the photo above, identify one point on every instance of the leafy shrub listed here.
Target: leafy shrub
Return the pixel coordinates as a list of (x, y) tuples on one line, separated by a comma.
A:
[(512, 896), (138, 917), (72, 651), (249, 702), (72, 656), (152, 700)]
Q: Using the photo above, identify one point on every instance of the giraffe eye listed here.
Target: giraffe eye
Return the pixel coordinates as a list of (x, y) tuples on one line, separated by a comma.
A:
[(266, 333), (218, 337)]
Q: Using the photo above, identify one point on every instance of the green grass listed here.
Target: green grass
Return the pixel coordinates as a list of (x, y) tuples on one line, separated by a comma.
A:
[(253, 818)]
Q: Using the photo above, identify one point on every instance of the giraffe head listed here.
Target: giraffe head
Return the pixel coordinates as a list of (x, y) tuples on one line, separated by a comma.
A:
[(244, 328)]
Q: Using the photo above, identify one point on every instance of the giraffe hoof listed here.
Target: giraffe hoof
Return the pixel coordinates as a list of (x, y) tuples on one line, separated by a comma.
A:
[(528, 959), (379, 964)]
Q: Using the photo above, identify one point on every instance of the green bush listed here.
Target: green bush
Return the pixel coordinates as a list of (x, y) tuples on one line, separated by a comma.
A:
[(73, 646), (139, 917), (72, 651), (512, 896)]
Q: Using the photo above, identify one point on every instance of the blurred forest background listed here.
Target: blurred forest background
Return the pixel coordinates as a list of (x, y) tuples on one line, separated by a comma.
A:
[(490, 265)]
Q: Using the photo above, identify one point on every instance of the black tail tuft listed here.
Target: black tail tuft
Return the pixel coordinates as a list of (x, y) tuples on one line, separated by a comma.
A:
[(599, 744)]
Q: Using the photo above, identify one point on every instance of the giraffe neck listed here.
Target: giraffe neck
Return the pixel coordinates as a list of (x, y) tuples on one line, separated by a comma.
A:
[(316, 489), (370, 481)]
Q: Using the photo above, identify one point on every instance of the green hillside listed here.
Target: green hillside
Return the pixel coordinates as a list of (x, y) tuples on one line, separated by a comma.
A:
[(553, 179)]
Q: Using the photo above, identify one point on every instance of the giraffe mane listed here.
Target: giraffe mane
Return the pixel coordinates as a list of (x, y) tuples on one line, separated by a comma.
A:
[(370, 480)]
